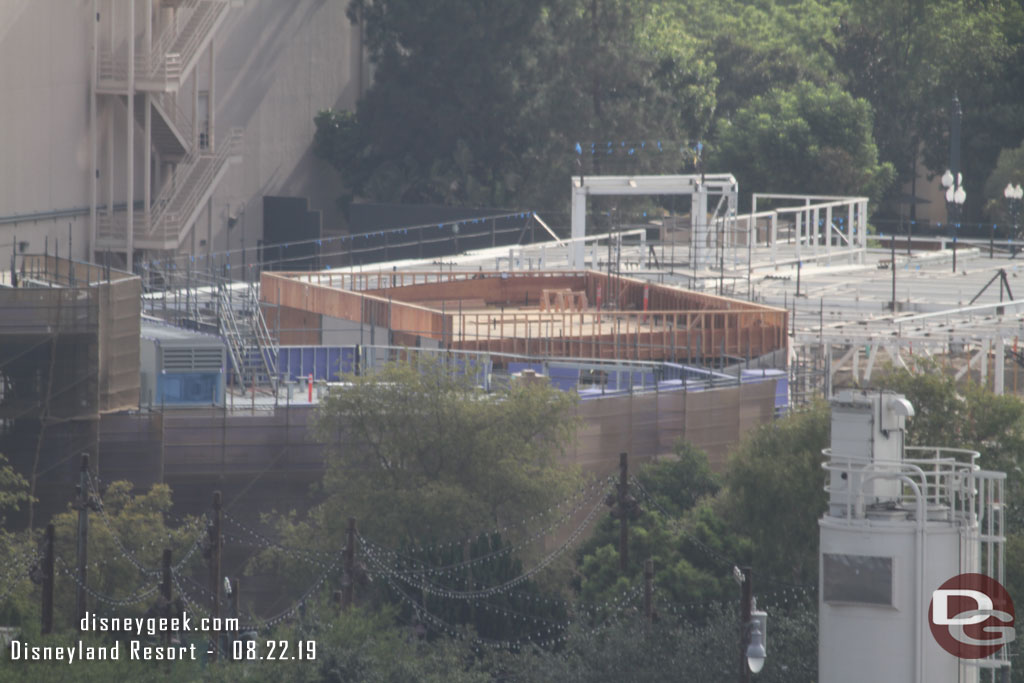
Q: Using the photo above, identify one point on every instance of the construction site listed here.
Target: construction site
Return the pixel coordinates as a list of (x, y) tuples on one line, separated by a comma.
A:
[(205, 379)]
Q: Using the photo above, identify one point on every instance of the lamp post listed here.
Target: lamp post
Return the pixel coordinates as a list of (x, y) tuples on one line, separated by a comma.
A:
[(955, 198), (1013, 197), (753, 627), (951, 179)]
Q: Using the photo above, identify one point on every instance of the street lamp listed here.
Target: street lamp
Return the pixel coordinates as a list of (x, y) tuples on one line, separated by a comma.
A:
[(955, 198), (757, 650), (753, 627), (1013, 198)]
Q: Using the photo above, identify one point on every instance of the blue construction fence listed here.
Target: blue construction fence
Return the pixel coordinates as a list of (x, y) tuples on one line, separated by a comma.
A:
[(332, 363)]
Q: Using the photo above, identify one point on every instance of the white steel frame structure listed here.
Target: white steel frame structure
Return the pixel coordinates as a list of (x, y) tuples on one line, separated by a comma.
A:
[(699, 187), (816, 233)]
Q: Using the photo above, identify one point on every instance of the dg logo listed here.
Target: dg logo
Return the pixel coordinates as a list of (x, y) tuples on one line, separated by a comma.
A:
[(971, 616)]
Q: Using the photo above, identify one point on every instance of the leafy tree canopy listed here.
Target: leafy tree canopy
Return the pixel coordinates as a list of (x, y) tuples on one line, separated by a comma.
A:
[(418, 454), (806, 138)]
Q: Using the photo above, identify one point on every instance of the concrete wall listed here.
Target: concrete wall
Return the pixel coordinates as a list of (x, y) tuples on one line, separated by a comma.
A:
[(44, 107), (278, 64)]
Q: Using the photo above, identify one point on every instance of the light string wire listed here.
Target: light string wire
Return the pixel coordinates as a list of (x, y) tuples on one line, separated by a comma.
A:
[(273, 621), (127, 554), (679, 526), (139, 597), (269, 543), (583, 492), (443, 591), (20, 563)]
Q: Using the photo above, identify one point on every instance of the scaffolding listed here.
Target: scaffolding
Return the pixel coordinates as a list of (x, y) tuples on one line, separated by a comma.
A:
[(69, 352)]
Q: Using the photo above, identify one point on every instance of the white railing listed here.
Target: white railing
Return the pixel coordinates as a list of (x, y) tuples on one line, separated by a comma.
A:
[(173, 216)]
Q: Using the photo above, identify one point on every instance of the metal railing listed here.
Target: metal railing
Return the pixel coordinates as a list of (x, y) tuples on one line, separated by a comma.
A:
[(172, 49)]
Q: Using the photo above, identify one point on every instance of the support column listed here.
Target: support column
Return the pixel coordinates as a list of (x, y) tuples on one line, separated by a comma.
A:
[(828, 234), (110, 159), (147, 149), (986, 348), (699, 224), (798, 228), (110, 112), (94, 132), (195, 109), (130, 145), (862, 227), (851, 233), (147, 159), (209, 101), (209, 234), (999, 367), (775, 237), (815, 218), (579, 225)]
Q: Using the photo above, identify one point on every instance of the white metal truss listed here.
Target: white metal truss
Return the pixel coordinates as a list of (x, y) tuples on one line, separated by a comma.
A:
[(700, 187)]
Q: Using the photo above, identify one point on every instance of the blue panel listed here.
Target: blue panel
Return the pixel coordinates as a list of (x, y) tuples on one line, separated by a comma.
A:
[(564, 378), (782, 393), (320, 362), (307, 356), (334, 364), (348, 359), (294, 363)]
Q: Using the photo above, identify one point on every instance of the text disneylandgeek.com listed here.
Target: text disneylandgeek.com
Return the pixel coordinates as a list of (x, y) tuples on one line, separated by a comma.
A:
[(142, 632)]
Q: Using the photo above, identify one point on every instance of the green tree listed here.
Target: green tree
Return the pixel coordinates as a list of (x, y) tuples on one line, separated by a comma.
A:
[(692, 547), (460, 114), (908, 58), (805, 138), (774, 493), (439, 124), (1009, 169), (127, 535), (419, 454), (17, 552), (627, 649), (755, 47)]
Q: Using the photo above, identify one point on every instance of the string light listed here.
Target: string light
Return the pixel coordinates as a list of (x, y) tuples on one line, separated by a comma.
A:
[(442, 591), (141, 596), (449, 569)]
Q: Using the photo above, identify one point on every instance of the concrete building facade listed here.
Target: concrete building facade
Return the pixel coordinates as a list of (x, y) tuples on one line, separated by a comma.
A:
[(72, 154)]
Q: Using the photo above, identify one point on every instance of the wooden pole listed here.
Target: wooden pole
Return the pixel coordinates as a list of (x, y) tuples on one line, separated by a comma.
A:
[(623, 514), (348, 580), (47, 615), (83, 533), (215, 571), (649, 590)]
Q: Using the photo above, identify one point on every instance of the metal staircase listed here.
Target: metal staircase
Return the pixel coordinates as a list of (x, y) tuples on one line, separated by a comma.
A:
[(199, 300), (252, 350), (176, 206), (175, 50)]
